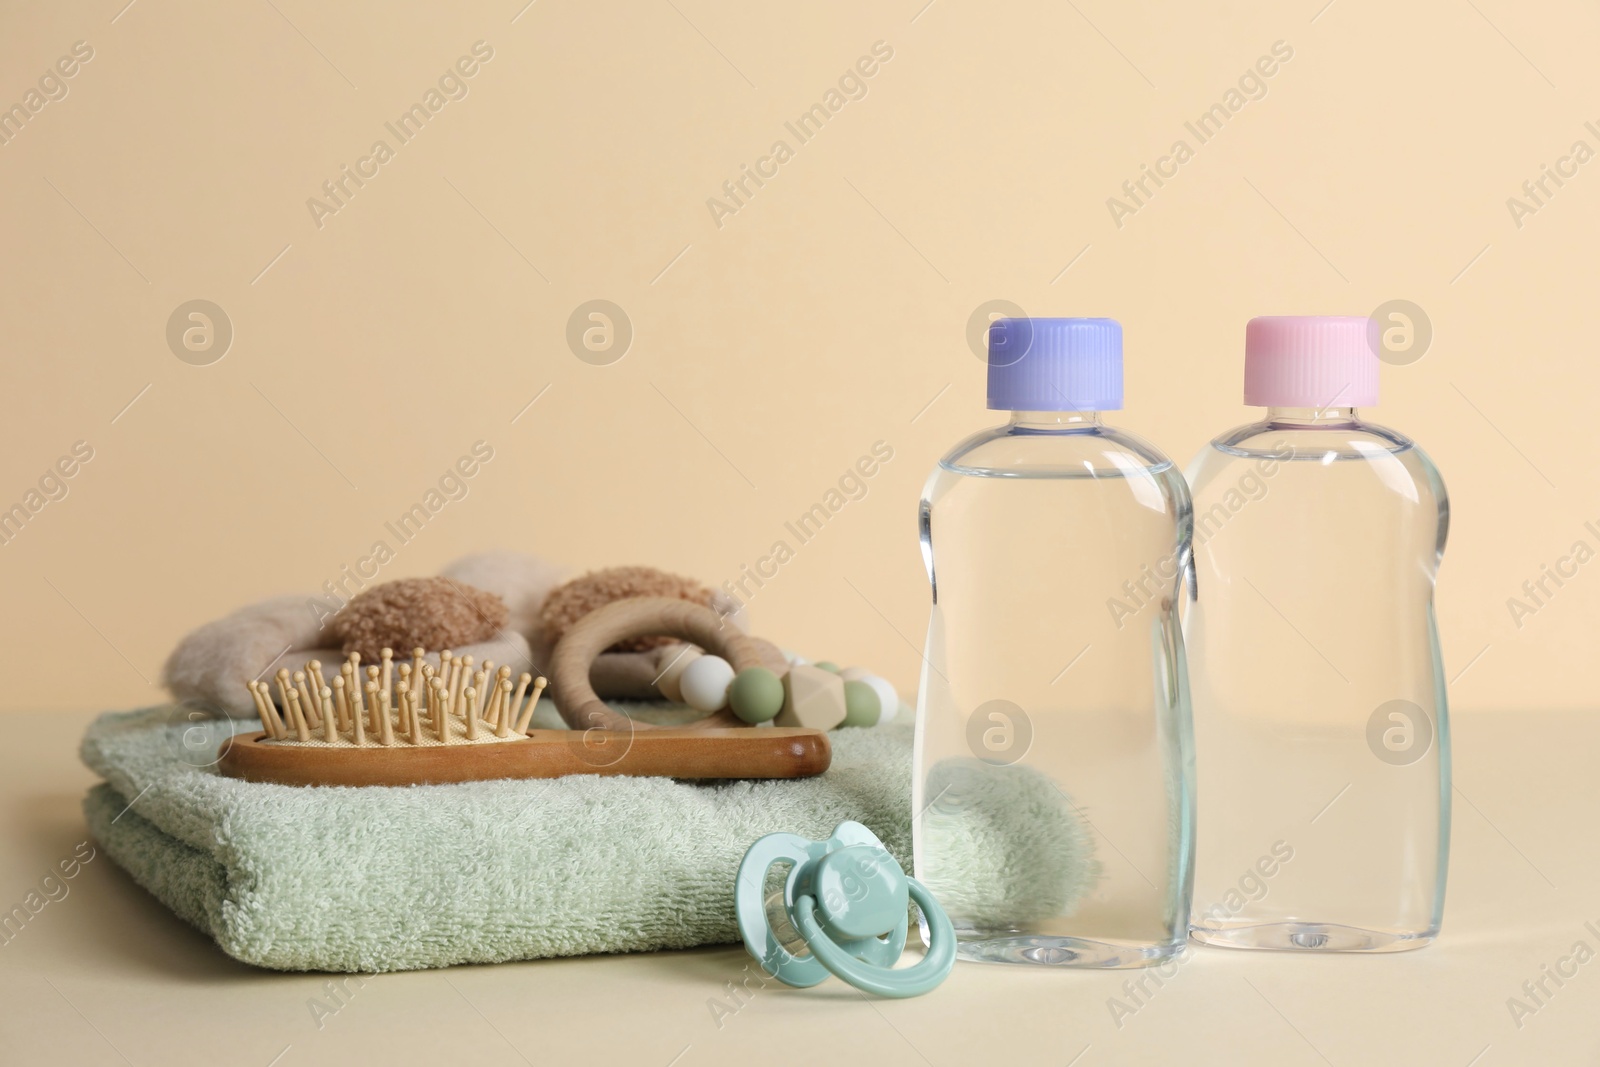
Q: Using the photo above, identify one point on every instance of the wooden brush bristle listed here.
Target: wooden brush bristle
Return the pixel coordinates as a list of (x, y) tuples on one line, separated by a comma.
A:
[(395, 702)]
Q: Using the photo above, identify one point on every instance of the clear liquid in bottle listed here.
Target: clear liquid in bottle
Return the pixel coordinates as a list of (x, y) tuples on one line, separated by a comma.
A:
[(1052, 783), (1321, 727)]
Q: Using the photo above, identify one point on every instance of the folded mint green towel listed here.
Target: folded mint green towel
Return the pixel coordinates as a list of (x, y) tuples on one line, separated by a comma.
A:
[(386, 879)]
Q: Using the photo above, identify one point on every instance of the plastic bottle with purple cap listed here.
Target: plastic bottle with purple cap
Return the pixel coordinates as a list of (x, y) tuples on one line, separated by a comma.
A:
[(1052, 779)]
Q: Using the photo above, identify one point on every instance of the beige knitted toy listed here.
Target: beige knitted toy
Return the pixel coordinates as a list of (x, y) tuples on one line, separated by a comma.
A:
[(508, 607)]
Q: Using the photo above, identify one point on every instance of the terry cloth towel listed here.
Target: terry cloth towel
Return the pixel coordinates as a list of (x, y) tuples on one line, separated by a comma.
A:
[(387, 879)]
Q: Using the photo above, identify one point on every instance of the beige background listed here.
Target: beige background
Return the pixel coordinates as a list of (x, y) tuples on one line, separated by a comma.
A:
[(769, 353)]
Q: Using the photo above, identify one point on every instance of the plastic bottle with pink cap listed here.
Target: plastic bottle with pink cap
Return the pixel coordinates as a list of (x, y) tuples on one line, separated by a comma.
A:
[(1322, 739)]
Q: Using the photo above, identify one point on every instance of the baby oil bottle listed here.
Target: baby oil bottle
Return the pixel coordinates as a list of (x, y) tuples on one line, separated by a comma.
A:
[(1052, 781), (1321, 732)]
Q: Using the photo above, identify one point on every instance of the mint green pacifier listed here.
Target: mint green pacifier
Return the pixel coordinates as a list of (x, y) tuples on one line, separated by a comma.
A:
[(842, 911)]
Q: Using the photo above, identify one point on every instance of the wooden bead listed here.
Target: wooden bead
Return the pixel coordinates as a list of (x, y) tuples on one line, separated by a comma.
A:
[(813, 698), (678, 658)]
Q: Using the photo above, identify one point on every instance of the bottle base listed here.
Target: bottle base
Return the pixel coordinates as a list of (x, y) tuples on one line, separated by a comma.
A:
[(1310, 937), (1044, 951)]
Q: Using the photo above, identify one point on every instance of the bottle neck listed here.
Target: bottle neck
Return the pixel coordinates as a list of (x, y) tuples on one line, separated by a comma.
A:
[(1055, 420), (1318, 418)]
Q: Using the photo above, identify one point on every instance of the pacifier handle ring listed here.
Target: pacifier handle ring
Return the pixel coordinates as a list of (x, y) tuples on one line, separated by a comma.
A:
[(884, 981)]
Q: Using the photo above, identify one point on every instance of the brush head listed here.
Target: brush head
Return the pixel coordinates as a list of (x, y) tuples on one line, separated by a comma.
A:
[(367, 713)]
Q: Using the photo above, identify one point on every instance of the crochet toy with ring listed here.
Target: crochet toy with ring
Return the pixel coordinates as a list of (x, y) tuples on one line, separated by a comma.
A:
[(842, 911)]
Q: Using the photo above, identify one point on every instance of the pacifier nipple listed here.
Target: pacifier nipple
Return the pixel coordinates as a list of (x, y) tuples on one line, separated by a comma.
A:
[(782, 929)]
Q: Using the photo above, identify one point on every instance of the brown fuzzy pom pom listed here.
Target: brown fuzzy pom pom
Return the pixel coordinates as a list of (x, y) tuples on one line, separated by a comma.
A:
[(431, 613), (570, 602)]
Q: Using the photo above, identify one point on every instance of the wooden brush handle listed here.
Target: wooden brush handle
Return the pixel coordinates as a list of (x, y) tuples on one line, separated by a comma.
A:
[(677, 753), (645, 616)]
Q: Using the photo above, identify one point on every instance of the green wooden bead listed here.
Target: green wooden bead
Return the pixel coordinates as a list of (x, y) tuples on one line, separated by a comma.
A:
[(756, 695), (826, 665), (861, 704)]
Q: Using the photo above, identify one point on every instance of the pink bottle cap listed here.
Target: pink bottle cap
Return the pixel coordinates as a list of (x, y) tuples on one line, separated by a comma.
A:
[(1310, 361)]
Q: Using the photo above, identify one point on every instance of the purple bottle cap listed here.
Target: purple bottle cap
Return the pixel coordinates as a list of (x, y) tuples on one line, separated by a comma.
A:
[(1055, 365)]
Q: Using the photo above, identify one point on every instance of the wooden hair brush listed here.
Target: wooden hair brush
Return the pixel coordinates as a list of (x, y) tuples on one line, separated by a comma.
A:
[(412, 723)]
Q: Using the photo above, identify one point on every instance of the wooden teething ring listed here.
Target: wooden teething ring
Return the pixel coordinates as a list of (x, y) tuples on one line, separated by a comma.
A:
[(649, 616)]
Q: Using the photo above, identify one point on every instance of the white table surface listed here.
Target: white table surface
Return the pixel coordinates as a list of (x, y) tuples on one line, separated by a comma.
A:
[(107, 975)]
